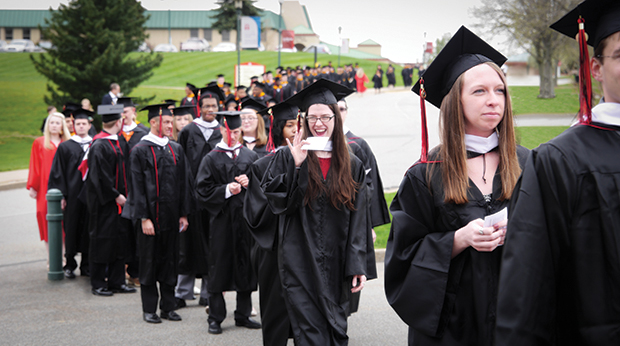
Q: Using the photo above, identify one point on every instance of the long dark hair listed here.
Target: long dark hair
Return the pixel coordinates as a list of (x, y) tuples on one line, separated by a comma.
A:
[(341, 187)]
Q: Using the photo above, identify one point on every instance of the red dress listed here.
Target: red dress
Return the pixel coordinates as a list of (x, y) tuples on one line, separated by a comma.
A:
[(38, 175), (359, 83)]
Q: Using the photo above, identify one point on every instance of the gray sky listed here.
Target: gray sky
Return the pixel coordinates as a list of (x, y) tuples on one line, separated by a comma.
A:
[(398, 25)]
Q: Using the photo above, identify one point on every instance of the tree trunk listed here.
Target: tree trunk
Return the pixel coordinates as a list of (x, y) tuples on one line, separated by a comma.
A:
[(547, 72)]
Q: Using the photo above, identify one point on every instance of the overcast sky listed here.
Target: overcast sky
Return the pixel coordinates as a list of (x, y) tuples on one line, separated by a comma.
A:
[(398, 25)]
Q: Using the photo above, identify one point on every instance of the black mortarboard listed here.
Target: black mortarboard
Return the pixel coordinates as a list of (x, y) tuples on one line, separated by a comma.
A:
[(110, 112), (254, 104), (125, 101), (155, 109), (212, 91), (70, 106), (227, 84), (220, 75), (259, 84), (254, 77), (322, 91), (183, 110), (239, 87), (601, 19), (464, 51), (82, 113), (230, 98), (232, 120), (268, 72), (171, 102), (191, 86), (282, 111)]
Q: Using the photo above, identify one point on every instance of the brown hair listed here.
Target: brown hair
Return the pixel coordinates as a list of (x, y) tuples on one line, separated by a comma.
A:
[(175, 132), (261, 134), (452, 150), (341, 187), (599, 50)]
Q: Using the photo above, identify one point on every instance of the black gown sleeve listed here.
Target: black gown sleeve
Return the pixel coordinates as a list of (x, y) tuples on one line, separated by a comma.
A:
[(99, 175), (283, 184), (417, 259), (58, 178), (356, 261), (261, 221), (209, 192), (137, 205)]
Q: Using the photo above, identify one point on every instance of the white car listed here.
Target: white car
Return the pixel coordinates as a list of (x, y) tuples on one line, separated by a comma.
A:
[(225, 47), (165, 48), (195, 44), (320, 49), (20, 46), (2, 45)]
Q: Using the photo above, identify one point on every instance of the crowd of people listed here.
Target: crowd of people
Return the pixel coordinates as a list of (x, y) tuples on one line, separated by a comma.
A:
[(266, 187)]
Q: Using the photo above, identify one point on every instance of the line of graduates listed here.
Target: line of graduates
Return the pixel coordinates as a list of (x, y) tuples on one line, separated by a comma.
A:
[(548, 273), (230, 200)]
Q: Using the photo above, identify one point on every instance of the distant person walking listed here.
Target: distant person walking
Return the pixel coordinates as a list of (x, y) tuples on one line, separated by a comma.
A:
[(377, 79), (111, 97), (360, 79)]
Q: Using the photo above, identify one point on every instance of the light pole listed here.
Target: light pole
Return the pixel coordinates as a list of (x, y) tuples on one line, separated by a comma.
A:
[(238, 6), (339, 43), (280, 33)]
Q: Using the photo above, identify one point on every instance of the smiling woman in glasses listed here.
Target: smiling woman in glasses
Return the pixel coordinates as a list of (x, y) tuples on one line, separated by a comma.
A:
[(253, 127)]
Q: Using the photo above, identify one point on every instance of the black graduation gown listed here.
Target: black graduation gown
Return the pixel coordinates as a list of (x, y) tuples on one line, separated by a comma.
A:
[(391, 78), (105, 181), (66, 177), (194, 241), (560, 279), (320, 249), (260, 151), (160, 191), (229, 240), (444, 301), (263, 225)]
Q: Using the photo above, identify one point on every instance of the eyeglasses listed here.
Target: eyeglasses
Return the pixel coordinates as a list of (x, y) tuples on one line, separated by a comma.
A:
[(324, 119), (248, 118), (614, 57)]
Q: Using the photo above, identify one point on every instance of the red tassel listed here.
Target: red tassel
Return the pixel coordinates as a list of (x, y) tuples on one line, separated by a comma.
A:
[(270, 145), (161, 135), (228, 138), (585, 82), (298, 121), (424, 155), (198, 104)]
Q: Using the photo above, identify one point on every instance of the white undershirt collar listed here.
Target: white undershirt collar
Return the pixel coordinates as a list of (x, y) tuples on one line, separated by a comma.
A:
[(481, 145), (607, 113)]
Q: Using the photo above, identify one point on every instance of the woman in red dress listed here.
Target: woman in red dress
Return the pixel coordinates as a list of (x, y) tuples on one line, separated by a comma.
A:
[(360, 79), (41, 157)]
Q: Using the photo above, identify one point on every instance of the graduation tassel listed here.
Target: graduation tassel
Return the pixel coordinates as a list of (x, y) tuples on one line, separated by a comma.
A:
[(160, 124), (270, 145), (298, 121), (198, 104), (424, 154), (585, 82), (484, 168), (228, 139)]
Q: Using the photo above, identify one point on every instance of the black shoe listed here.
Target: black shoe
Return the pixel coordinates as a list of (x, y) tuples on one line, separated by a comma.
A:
[(102, 291), (170, 316), (180, 303), (124, 289), (215, 328), (69, 274), (248, 323), (203, 301), (84, 272), (151, 318)]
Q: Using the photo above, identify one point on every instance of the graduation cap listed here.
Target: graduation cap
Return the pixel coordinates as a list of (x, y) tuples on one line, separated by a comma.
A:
[(125, 101), (322, 91), (70, 106), (191, 86), (230, 98), (183, 110), (259, 84), (239, 87), (589, 23), (154, 110), (464, 51), (280, 112), (252, 103), (231, 120), (110, 112), (220, 76), (254, 77), (227, 84), (211, 91), (171, 102), (82, 113)]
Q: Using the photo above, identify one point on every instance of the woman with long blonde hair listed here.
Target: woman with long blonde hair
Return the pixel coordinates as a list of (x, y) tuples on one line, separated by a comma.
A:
[(41, 157), (444, 250)]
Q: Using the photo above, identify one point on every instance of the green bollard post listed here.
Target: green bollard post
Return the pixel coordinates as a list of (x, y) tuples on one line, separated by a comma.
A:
[(54, 230)]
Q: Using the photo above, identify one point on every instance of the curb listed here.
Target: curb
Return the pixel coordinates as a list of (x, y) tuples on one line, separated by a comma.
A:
[(379, 255), (11, 185)]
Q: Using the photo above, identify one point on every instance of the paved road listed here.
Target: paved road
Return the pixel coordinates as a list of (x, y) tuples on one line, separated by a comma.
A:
[(35, 311)]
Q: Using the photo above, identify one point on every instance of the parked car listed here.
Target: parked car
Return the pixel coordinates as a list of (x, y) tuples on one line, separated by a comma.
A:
[(165, 48), (20, 46), (321, 49), (3, 45), (44, 46), (195, 44), (225, 47), (144, 47)]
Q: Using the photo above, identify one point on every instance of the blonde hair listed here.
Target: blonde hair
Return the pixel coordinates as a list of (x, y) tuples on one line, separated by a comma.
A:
[(261, 134), (453, 154), (64, 131), (175, 132)]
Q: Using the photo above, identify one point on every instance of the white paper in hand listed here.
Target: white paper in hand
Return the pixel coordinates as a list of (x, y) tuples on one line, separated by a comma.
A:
[(492, 219), (315, 143)]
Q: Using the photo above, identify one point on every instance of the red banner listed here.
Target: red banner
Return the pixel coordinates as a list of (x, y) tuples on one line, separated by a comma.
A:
[(429, 48), (288, 39)]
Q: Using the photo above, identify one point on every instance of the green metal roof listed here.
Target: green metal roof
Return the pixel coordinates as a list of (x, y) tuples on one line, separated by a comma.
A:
[(303, 30), (23, 18), (158, 19), (307, 17), (369, 43)]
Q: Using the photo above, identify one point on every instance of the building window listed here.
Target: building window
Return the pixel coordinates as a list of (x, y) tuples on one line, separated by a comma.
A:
[(8, 34), (225, 36), (193, 32), (26, 33), (208, 34)]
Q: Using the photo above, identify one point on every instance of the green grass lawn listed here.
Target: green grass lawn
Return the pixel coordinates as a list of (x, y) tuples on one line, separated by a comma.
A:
[(525, 100)]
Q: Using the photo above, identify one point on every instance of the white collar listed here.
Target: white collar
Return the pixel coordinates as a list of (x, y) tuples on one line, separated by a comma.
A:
[(210, 125), (80, 140), (224, 146), (249, 139), (162, 142), (345, 129), (129, 128), (481, 145), (607, 113)]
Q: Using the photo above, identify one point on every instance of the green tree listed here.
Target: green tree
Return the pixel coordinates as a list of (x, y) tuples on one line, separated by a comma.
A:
[(93, 39), (527, 22), (226, 14), (439, 44)]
